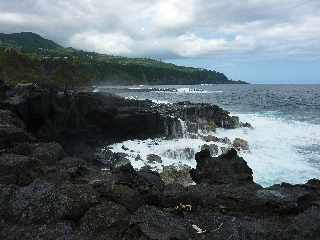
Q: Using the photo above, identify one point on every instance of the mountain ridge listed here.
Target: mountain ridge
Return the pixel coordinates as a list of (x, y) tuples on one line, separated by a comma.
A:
[(48, 60)]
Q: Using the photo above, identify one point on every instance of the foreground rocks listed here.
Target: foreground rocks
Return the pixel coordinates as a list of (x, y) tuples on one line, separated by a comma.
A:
[(227, 168), (46, 194), (129, 204)]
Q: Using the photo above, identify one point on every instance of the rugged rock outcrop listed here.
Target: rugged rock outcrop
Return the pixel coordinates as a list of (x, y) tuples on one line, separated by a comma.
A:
[(45, 194), (227, 168), (88, 117), (240, 144), (213, 149)]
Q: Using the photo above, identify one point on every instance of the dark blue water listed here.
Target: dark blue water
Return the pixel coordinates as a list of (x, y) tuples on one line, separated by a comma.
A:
[(295, 102)]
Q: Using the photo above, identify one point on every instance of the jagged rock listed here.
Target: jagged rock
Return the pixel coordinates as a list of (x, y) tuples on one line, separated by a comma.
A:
[(122, 194), (118, 160), (227, 168), (108, 219), (214, 149), (240, 144), (124, 148), (178, 175), (146, 182), (246, 125), (112, 159), (157, 224), (34, 204), (182, 154), (153, 158), (76, 199), (12, 130), (203, 114), (20, 170), (89, 117), (138, 158), (224, 149), (211, 138), (50, 153), (126, 196), (42, 202), (287, 198), (70, 169)]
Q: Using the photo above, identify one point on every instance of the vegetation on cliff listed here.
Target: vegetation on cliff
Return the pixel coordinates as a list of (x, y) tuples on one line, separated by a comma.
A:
[(27, 57)]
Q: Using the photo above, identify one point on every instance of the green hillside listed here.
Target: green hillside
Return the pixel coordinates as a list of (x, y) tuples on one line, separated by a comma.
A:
[(27, 41), (27, 57)]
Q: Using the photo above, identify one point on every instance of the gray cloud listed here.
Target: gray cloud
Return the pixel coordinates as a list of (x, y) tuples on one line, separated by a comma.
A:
[(172, 28)]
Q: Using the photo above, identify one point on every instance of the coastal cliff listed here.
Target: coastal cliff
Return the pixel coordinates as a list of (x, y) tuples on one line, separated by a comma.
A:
[(54, 186)]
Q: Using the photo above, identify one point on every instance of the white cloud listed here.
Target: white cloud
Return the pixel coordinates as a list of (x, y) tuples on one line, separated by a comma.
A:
[(173, 28)]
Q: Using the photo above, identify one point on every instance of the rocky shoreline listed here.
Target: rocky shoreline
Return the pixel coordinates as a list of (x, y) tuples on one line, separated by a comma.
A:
[(52, 185)]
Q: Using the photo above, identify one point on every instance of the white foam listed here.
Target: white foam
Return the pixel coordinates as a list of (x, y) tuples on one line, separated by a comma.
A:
[(160, 147), (276, 145), (277, 149), (195, 90), (161, 101)]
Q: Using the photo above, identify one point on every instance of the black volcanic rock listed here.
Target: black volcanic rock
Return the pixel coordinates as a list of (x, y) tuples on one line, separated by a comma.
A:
[(227, 168), (108, 219), (12, 130), (155, 223), (87, 118), (18, 169), (46, 194)]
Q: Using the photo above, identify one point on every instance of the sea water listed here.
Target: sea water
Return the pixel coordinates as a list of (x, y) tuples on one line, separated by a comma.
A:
[(284, 144)]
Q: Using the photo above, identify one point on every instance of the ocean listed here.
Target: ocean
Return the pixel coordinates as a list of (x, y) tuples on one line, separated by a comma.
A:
[(285, 141)]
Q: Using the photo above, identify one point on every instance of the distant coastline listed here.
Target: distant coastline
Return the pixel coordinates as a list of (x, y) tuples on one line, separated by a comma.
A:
[(27, 57)]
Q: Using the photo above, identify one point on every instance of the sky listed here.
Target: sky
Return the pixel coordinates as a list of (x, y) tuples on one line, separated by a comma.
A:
[(259, 41)]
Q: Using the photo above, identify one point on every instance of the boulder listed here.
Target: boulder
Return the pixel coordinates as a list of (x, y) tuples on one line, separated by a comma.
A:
[(180, 154), (12, 130), (36, 203), (70, 169), (178, 175), (153, 158), (111, 159), (49, 153), (211, 138), (227, 168), (155, 223), (76, 199), (224, 150), (108, 218), (246, 125), (214, 149), (240, 144), (127, 196), (43, 202), (145, 181), (18, 169)]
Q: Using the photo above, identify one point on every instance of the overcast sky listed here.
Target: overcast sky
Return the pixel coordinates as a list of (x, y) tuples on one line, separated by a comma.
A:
[(254, 40)]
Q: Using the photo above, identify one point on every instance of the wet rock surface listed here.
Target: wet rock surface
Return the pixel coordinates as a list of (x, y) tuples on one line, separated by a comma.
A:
[(177, 175), (240, 144), (213, 149), (227, 168), (47, 194)]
